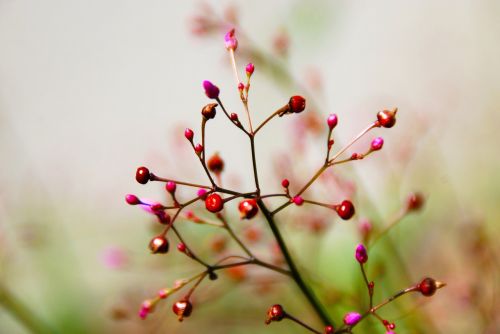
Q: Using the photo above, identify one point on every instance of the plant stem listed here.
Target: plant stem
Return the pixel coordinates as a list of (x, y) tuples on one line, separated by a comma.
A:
[(22, 313), (304, 288)]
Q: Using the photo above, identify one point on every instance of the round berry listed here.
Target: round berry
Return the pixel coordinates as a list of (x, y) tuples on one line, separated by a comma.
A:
[(132, 199), (285, 183), (361, 254), (159, 245), (345, 210), (189, 134), (377, 144), (414, 202), (142, 175), (171, 186), (387, 118), (329, 329), (215, 164), (234, 117), (275, 313), (214, 203), (248, 208), (209, 111), (181, 247), (298, 200), (332, 121), (297, 104), (182, 309), (427, 287)]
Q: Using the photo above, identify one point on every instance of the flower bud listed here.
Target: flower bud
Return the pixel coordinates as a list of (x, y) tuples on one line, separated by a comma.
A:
[(215, 164), (275, 313), (182, 309), (329, 330), (158, 245), (414, 202), (297, 104), (189, 134), (361, 254), (428, 286), (171, 187), (132, 199), (202, 193), (298, 200), (332, 121), (249, 69), (142, 175), (387, 118), (230, 40), (377, 144), (285, 183), (211, 90), (352, 318), (209, 111)]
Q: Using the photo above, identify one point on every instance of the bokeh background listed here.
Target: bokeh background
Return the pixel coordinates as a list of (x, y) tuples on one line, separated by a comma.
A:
[(89, 90)]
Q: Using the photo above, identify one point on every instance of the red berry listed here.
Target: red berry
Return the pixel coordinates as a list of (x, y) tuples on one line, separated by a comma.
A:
[(345, 210), (241, 86), (428, 286), (132, 199), (181, 247), (209, 111), (189, 134), (214, 203), (298, 200), (297, 104), (387, 118), (275, 313), (414, 202), (142, 175), (332, 121), (329, 330), (234, 117), (198, 149), (215, 164), (285, 183), (248, 208), (171, 186), (158, 245), (182, 309)]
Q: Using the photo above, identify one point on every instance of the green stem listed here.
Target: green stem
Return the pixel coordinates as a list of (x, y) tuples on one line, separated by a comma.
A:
[(304, 288)]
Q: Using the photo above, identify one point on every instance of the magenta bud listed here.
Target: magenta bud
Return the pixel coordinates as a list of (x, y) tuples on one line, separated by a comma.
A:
[(250, 68), (143, 313), (171, 186), (132, 199), (241, 86), (202, 193), (377, 143), (298, 200), (198, 148), (189, 134), (352, 318), (361, 254), (230, 40), (211, 90), (332, 121)]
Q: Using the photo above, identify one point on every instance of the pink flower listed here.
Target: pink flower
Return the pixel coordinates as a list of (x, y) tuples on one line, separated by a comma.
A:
[(211, 90), (352, 318), (230, 40)]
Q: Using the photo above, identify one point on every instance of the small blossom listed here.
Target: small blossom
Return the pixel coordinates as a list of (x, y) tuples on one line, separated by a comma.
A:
[(211, 90), (230, 40), (352, 318), (361, 254)]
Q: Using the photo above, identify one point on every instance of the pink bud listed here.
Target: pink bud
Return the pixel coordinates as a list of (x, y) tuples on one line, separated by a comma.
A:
[(250, 68), (171, 186), (230, 40), (143, 314), (298, 200), (198, 148), (132, 199), (234, 117), (241, 86), (189, 134), (211, 90), (352, 318), (285, 183), (202, 193), (163, 293), (377, 143), (181, 247), (332, 121), (361, 254)]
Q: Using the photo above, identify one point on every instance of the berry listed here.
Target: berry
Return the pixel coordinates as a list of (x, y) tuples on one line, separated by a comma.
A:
[(163, 293), (275, 313), (387, 118), (298, 200), (142, 175), (189, 134), (211, 90), (209, 111), (414, 202), (297, 104), (248, 208), (249, 69), (241, 86), (234, 117), (345, 210), (202, 193), (285, 183), (329, 330), (352, 318), (158, 245), (198, 149), (132, 199), (377, 144), (214, 203), (182, 309), (361, 254), (428, 286), (171, 186), (181, 247), (332, 121), (215, 164)]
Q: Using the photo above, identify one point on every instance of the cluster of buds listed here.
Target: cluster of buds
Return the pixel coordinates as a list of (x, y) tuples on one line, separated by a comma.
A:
[(217, 200)]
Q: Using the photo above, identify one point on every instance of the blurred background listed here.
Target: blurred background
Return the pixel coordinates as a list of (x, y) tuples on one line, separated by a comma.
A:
[(90, 90)]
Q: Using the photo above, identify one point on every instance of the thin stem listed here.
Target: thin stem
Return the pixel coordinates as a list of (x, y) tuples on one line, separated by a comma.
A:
[(254, 163), (304, 288), (238, 81), (328, 206), (22, 313), (365, 278), (189, 251), (301, 323), (237, 124), (157, 178), (276, 113), (233, 235), (361, 134), (394, 221)]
